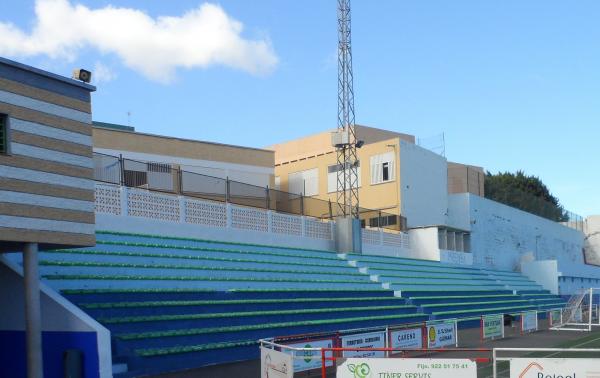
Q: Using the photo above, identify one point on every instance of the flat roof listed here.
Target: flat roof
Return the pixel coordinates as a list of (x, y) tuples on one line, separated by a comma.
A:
[(123, 129), (47, 74)]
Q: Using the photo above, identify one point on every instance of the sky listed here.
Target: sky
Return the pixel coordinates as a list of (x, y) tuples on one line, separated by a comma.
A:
[(511, 85)]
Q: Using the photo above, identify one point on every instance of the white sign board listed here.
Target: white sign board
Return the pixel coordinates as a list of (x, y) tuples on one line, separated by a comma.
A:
[(554, 367), (529, 320), (275, 364), (406, 339), (407, 368), (310, 359), (364, 340), (441, 335)]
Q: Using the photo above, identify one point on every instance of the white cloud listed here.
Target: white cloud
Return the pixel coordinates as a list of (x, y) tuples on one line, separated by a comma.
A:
[(101, 73), (156, 47)]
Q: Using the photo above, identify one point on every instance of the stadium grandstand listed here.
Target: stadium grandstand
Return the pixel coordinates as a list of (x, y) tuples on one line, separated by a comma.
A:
[(128, 254)]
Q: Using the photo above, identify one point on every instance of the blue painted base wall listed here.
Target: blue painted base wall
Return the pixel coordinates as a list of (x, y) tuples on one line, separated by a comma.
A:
[(13, 353)]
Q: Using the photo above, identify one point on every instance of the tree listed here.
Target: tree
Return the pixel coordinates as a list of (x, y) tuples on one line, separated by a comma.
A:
[(524, 192)]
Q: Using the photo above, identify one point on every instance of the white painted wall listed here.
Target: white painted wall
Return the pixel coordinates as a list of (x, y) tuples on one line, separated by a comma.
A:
[(424, 186), (424, 243), (592, 239), (544, 272), (249, 174), (503, 237), (108, 222), (58, 313)]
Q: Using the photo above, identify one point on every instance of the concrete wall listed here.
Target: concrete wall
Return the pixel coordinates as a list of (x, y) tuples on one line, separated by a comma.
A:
[(64, 326), (543, 272), (107, 222), (423, 186), (503, 237), (464, 178), (424, 243), (592, 240)]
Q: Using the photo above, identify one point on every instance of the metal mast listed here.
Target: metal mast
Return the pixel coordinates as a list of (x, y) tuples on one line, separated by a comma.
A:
[(347, 161)]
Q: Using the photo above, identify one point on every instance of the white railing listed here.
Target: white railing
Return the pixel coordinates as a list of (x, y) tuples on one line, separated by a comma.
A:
[(134, 202), (377, 236)]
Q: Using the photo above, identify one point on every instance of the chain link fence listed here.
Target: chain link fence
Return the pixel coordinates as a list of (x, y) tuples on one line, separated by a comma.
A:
[(166, 178)]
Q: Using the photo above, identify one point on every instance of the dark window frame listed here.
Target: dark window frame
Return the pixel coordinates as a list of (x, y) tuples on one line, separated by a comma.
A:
[(385, 171), (4, 135)]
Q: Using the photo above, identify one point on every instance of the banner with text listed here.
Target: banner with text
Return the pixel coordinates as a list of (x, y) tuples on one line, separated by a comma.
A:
[(364, 340), (554, 367), (492, 326), (411, 338), (441, 335), (529, 321), (310, 359), (407, 368), (275, 364), (555, 317)]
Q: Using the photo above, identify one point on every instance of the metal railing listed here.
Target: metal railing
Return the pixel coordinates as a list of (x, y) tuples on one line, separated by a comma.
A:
[(164, 177)]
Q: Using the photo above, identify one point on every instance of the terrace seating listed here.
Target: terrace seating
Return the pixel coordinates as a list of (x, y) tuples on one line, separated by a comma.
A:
[(448, 291), (172, 302)]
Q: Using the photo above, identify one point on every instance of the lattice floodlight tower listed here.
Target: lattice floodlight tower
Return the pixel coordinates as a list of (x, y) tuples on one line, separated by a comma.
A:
[(581, 313), (344, 140)]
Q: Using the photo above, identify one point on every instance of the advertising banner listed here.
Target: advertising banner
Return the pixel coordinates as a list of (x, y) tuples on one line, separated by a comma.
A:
[(407, 368), (555, 317), (310, 359), (275, 364), (441, 335), (411, 338), (529, 321), (554, 367), (364, 340), (493, 326)]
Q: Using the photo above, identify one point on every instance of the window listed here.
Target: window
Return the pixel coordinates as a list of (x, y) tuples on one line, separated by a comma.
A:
[(332, 172), (386, 171), (3, 134), (304, 182), (383, 221), (382, 168)]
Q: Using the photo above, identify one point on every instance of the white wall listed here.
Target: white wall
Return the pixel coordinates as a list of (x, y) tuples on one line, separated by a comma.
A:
[(58, 314), (424, 243), (592, 239), (503, 237), (108, 222), (249, 174), (543, 272), (423, 185)]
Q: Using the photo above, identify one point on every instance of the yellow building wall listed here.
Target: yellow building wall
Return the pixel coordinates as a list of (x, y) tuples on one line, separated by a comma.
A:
[(383, 196)]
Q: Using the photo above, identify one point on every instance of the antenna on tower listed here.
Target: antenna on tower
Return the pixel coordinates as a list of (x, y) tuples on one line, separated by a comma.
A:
[(344, 139)]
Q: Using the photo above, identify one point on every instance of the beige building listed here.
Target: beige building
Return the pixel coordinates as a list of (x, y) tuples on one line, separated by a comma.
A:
[(395, 176), (464, 178), (150, 158)]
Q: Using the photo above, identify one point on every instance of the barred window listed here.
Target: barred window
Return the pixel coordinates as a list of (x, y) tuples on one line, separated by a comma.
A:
[(3, 134)]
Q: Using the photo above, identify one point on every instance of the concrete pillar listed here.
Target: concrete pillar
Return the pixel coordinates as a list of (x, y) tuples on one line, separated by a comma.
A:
[(33, 317)]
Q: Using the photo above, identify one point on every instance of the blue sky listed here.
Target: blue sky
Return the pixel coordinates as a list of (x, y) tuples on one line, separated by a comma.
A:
[(511, 84)]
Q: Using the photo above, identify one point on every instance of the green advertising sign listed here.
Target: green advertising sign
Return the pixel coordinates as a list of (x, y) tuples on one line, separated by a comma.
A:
[(493, 326), (555, 317)]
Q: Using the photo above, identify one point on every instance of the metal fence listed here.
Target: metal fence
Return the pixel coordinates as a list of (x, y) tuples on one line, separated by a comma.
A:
[(165, 178)]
